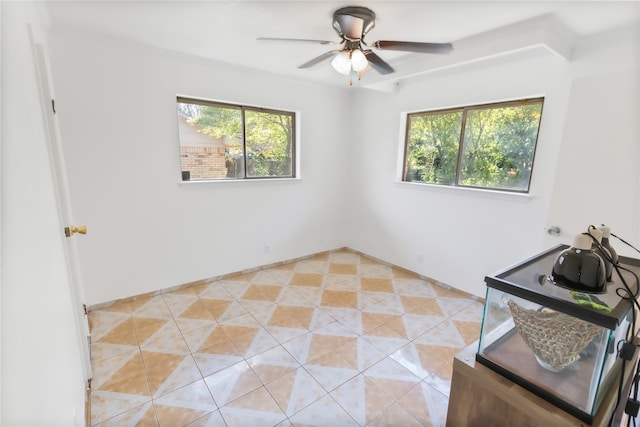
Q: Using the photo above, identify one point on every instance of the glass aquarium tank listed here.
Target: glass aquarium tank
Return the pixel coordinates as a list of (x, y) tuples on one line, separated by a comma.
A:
[(558, 343)]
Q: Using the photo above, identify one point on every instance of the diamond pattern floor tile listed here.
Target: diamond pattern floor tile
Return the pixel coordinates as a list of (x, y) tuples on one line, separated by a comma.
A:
[(335, 339)]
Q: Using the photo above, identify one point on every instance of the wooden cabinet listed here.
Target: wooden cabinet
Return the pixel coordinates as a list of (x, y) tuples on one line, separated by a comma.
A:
[(481, 397)]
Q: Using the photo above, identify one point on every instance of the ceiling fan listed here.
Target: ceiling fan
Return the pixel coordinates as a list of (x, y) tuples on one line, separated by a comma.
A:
[(352, 23)]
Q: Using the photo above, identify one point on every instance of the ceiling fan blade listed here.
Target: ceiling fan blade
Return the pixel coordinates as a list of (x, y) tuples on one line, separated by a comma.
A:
[(379, 64), (277, 39), (413, 46), (320, 58)]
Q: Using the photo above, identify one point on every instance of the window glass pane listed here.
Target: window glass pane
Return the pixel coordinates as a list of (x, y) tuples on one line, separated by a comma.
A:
[(432, 147), (499, 146), (210, 141), (269, 139)]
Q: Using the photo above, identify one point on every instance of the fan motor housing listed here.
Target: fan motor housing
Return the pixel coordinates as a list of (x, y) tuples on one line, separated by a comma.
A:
[(340, 22)]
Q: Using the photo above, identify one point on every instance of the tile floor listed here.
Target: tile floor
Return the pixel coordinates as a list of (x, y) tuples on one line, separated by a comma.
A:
[(334, 340)]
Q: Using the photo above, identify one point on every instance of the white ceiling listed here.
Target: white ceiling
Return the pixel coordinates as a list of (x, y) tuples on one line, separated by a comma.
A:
[(227, 30)]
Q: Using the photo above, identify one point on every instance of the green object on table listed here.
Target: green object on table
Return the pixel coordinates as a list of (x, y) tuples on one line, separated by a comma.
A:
[(590, 301)]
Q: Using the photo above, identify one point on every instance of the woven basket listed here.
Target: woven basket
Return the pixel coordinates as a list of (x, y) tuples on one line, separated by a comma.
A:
[(555, 338)]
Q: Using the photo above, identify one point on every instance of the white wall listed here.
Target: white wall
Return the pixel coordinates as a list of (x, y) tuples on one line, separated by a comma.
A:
[(598, 173), (42, 375), (146, 230)]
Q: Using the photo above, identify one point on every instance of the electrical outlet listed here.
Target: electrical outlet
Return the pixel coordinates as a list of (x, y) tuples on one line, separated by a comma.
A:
[(420, 258), (267, 249)]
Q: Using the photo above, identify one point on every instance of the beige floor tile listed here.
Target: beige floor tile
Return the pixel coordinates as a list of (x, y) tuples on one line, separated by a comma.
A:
[(322, 344), (211, 363), (449, 293), (335, 338), (385, 331), (414, 403), (386, 345), (159, 367), (177, 302), (421, 305), (367, 260), (140, 416), (103, 321), (344, 257), (197, 310), (443, 334), (242, 277), (376, 271), (344, 299), (319, 257), (168, 415), (395, 415), (129, 379), (469, 331), (184, 405), (272, 276), (414, 287), (146, 327), (282, 387), (288, 266), (218, 343), (401, 273), (231, 383), (332, 359), (371, 321), (216, 307), (342, 282), (137, 302), (431, 357), (214, 290), (167, 339), (336, 268), (306, 279), (107, 407), (119, 307), (295, 390), (395, 388), (169, 372), (398, 326), (292, 317), (262, 292), (241, 336), (123, 334), (311, 266), (212, 419), (376, 400), (376, 284), (257, 400), (155, 307), (323, 412)]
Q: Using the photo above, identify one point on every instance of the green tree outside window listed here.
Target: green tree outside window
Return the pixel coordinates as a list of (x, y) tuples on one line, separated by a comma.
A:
[(488, 146)]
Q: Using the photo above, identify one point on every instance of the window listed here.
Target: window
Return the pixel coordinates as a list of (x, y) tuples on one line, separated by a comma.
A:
[(489, 146), (224, 141)]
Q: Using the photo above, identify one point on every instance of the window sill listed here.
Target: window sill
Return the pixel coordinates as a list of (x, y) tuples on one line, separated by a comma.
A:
[(479, 192), (224, 181)]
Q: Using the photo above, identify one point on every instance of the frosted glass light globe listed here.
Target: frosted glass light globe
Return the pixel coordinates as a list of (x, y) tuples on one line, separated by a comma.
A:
[(341, 63), (358, 60)]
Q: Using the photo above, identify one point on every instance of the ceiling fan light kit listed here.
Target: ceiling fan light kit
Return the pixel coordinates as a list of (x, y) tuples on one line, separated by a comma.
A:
[(346, 61), (352, 23)]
